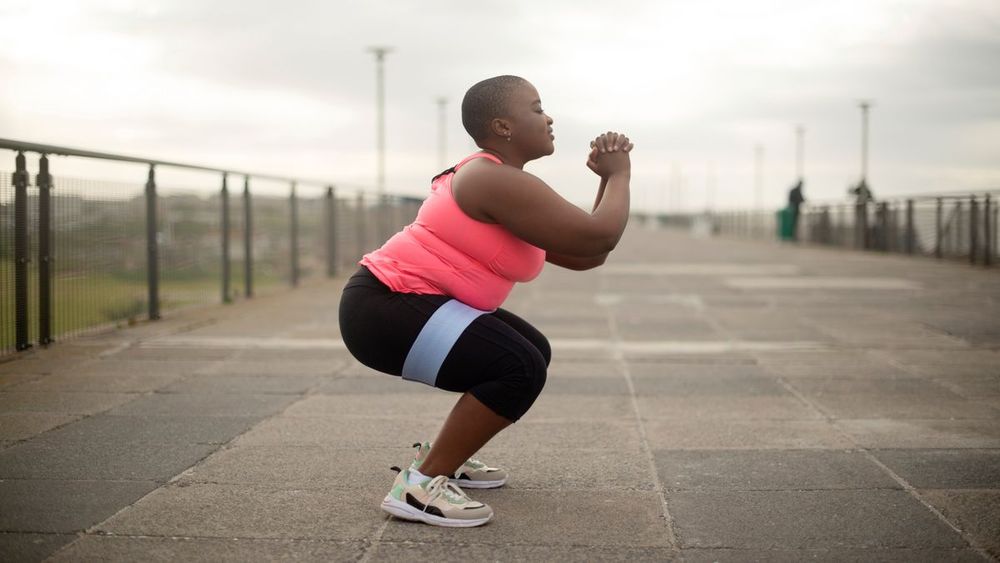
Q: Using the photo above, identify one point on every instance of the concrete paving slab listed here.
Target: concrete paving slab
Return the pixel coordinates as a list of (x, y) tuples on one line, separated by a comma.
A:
[(159, 354), (31, 547), (834, 370), (807, 519), (284, 385), (705, 383), (137, 430), (435, 406), (593, 468), (976, 513), (98, 383), (227, 511), (959, 360), (272, 367), (303, 467), (562, 407), (831, 555), (731, 407), (627, 519), (609, 434), (376, 383), (8, 380), (601, 386), (750, 470), (64, 506), (61, 403), (896, 399), (338, 431), (922, 434), (98, 459), (37, 363), (562, 330), (425, 551), (205, 404), (719, 371), (945, 469), (564, 369), (235, 550), (112, 366), (976, 387), (677, 434), (21, 426)]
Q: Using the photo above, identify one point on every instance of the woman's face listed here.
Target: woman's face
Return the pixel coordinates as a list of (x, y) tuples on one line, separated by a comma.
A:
[(530, 127)]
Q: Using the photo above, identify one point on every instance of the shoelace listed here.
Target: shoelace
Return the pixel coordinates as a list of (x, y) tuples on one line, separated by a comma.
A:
[(440, 485)]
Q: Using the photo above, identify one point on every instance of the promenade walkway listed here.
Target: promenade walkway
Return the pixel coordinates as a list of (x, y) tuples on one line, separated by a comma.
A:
[(708, 400)]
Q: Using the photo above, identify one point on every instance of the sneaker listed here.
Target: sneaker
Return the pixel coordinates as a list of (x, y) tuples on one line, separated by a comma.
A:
[(473, 474), (435, 501)]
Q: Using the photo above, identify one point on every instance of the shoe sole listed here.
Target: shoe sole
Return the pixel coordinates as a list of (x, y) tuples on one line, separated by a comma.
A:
[(467, 484), (402, 510)]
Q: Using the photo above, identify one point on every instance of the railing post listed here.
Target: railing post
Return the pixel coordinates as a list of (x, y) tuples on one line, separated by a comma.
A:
[(294, 236), (331, 232), (359, 213), (882, 217), (225, 239), (987, 233), (247, 239), (21, 257), (973, 229), (152, 247), (938, 226), (958, 227), (910, 235), (44, 183), (861, 225)]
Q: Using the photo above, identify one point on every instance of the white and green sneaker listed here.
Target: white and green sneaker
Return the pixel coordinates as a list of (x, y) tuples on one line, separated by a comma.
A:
[(473, 474), (435, 501)]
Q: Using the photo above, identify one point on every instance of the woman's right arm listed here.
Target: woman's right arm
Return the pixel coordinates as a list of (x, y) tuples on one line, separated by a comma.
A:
[(535, 213)]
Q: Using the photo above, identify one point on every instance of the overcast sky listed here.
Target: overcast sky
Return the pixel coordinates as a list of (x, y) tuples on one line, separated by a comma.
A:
[(288, 88)]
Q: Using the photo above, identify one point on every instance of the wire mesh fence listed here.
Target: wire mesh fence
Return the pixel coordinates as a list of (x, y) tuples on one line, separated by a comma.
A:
[(947, 226), (79, 254)]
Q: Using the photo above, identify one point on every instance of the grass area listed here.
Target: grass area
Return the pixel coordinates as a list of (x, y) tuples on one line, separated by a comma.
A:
[(93, 299)]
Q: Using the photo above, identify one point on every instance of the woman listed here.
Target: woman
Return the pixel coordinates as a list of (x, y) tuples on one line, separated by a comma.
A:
[(426, 304)]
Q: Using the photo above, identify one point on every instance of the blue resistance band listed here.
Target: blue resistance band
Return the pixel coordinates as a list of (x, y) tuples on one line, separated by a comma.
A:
[(436, 339)]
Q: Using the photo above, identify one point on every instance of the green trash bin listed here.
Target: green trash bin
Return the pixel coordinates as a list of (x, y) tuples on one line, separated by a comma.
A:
[(785, 224)]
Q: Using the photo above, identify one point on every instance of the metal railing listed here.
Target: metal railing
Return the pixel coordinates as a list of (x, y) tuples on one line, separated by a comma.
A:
[(76, 255), (955, 226)]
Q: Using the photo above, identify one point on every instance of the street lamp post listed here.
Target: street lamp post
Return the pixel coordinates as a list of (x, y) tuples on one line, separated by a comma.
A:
[(381, 220), (380, 53), (442, 103), (864, 105)]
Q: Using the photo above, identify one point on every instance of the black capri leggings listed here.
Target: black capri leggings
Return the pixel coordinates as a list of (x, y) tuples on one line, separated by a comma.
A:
[(499, 358)]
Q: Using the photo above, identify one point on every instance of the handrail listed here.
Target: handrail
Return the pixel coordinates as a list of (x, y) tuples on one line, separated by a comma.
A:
[(15, 145), (904, 197)]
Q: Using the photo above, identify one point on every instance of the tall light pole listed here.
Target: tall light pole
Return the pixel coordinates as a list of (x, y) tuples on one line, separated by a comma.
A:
[(800, 149), (380, 53), (442, 103), (864, 105)]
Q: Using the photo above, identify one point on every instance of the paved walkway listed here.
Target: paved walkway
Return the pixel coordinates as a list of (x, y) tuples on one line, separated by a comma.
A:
[(708, 400)]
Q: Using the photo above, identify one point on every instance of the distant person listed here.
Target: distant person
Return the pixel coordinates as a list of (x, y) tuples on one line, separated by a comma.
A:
[(862, 193), (795, 200), (426, 305)]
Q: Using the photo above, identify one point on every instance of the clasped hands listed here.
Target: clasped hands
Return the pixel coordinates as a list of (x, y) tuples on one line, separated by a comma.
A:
[(609, 154)]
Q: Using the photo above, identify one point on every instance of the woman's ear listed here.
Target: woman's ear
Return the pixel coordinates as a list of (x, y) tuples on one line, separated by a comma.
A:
[(500, 127)]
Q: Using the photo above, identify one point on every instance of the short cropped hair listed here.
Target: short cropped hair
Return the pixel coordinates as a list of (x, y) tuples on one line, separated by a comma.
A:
[(485, 101)]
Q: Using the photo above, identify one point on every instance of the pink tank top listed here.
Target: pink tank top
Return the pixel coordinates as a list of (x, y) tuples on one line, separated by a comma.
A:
[(446, 252)]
